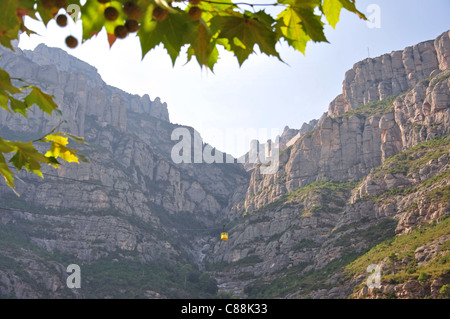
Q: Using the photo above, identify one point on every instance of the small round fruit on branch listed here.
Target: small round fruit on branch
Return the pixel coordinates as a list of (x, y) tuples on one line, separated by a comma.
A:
[(195, 13), (121, 31), (160, 14), (71, 42), (61, 20), (132, 10), (111, 14), (132, 25)]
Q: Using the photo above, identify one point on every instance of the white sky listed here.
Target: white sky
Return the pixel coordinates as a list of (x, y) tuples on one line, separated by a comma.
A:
[(264, 94)]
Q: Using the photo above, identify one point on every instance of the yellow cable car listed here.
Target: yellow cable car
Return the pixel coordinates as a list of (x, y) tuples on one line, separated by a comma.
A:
[(224, 234)]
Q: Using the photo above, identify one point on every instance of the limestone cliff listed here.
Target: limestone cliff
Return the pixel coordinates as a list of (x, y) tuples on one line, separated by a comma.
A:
[(391, 74), (367, 183), (374, 166), (371, 124), (131, 203), (78, 89)]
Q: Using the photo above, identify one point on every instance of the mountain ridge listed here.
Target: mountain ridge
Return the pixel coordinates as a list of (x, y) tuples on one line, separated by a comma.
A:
[(140, 225), (281, 237)]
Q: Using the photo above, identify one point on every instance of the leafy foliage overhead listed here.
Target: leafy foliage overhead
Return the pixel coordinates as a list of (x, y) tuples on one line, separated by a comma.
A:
[(201, 26), (18, 99)]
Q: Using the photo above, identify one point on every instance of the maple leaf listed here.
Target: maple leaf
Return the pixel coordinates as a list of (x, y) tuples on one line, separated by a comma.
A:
[(27, 156), (244, 32), (332, 10), (203, 45), (42, 100), (172, 33)]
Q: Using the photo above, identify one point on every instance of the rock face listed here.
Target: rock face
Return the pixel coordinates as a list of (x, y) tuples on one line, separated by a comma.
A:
[(131, 199), (369, 166), (390, 74), (78, 90), (370, 126), (372, 170)]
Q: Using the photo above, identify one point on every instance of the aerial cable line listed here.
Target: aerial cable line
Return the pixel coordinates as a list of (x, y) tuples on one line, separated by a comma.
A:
[(100, 185), (83, 181), (71, 217)]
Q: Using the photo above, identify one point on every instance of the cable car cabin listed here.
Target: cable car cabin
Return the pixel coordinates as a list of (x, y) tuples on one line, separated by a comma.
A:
[(224, 236)]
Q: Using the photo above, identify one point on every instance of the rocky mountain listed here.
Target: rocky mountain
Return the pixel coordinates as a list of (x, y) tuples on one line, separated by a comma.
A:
[(366, 184), (352, 140), (131, 207), (374, 166)]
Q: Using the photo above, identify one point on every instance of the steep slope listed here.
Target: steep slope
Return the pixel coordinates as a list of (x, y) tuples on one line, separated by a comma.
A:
[(368, 179), (365, 173), (346, 146), (129, 213)]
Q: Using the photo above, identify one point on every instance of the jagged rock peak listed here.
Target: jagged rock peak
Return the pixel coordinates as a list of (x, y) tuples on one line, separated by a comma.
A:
[(390, 74), (346, 147), (44, 55), (64, 62)]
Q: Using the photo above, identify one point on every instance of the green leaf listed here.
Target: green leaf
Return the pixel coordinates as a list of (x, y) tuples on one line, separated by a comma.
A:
[(7, 174), (264, 18), (244, 32), (332, 10), (172, 33), (93, 18), (9, 22), (6, 147), (225, 43), (311, 23), (202, 45), (5, 83), (42, 100), (4, 98), (46, 14), (289, 27), (18, 106), (350, 6), (6, 86), (27, 156)]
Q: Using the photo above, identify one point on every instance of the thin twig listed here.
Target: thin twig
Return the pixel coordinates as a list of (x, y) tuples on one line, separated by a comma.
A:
[(52, 131)]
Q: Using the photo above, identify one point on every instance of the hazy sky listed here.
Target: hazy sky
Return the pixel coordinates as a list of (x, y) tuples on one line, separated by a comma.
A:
[(264, 94)]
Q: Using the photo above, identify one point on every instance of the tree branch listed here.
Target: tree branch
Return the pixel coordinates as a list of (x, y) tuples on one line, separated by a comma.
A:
[(51, 132)]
